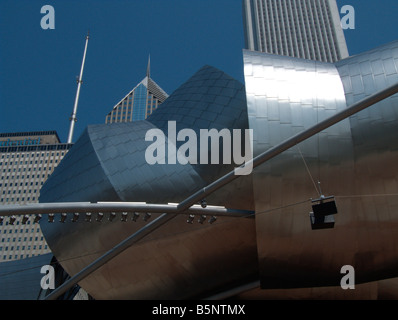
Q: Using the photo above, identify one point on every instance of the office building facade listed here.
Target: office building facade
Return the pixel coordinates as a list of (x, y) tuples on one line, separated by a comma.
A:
[(139, 103), (27, 159), (308, 29)]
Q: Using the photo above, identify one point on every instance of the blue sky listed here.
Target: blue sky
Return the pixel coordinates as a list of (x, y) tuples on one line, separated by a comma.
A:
[(38, 68)]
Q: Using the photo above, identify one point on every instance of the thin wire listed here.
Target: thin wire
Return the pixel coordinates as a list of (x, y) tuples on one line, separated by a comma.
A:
[(318, 135), (367, 195), (309, 173), (283, 207)]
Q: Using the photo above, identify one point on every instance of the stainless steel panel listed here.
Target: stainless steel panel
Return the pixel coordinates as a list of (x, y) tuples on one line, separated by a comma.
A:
[(179, 260), (355, 161)]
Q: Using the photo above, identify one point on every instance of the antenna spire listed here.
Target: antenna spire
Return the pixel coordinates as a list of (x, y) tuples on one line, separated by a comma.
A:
[(148, 69), (73, 118)]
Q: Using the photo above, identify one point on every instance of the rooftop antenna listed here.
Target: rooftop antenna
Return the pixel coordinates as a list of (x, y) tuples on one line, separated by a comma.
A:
[(148, 69), (73, 118)]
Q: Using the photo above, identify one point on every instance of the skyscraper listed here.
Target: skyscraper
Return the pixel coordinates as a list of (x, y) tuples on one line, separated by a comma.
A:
[(26, 161), (309, 29), (139, 103)]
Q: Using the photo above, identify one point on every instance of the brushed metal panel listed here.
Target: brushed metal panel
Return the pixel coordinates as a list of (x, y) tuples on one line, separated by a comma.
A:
[(355, 161), (179, 260)]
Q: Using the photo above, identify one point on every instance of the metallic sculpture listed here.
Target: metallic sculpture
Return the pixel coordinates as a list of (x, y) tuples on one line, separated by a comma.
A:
[(353, 160)]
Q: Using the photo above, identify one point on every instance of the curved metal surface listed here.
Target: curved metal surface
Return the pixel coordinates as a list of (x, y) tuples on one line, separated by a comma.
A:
[(108, 164), (355, 161)]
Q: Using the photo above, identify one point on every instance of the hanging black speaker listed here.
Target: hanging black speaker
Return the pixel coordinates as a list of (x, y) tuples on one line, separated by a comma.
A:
[(324, 208), (321, 222)]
